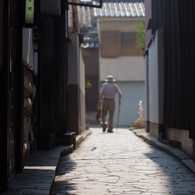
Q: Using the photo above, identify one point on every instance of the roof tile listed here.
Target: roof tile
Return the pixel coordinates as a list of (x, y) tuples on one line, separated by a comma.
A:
[(110, 8)]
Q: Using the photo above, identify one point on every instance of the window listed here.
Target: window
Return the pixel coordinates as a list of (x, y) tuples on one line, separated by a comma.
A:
[(110, 43), (116, 44)]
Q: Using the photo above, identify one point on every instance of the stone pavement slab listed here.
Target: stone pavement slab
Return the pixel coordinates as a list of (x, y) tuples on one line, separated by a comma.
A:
[(121, 163), (177, 153), (39, 170)]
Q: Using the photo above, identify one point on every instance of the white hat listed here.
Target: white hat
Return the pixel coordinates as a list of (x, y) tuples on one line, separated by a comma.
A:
[(110, 79)]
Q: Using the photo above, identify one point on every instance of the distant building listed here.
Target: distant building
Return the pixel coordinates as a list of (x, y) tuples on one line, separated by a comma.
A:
[(110, 48)]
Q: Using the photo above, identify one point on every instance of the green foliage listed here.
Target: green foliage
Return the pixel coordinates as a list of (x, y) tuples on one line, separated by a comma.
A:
[(140, 36), (87, 84)]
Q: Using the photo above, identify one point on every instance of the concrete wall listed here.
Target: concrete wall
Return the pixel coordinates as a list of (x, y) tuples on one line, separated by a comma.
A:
[(132, 93), (123, 68), (183, 137)]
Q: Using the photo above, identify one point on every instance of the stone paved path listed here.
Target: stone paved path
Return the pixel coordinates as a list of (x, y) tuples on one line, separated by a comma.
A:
[(121, 163)]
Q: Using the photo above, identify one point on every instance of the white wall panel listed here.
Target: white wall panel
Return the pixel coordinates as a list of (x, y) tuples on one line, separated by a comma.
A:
[(153, 81), (123, 68), (82, 89), (27, 46), (156, 78)]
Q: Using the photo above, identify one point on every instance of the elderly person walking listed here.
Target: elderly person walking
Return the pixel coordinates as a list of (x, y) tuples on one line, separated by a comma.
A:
[(107, 95)]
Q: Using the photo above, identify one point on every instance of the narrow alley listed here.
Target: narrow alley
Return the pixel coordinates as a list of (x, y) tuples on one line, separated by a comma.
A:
[(121, 163)]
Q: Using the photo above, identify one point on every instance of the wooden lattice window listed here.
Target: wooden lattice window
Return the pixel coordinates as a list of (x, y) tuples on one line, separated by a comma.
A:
[(110, 44), (116, 44)]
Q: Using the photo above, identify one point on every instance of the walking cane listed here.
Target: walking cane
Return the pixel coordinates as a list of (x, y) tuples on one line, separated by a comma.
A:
[(118, 116)]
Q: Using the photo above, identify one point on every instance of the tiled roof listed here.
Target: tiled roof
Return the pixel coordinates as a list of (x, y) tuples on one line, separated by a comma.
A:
[(120, 9), (111, 9), (90, 42)]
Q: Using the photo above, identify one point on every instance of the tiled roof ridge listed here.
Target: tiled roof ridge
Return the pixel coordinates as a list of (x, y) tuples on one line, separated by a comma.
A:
[(120, 9), (119, 1)]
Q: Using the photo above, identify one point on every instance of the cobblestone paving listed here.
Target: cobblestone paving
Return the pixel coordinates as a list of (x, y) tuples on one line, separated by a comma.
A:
[(121, 163)]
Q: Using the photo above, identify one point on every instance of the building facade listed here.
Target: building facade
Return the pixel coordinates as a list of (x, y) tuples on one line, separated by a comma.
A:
[(42, 97), (119, 55), (169, 62), (110, 48)]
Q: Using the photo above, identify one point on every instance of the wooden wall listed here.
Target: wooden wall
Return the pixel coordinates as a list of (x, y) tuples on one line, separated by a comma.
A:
[(11, 90), (54, 75), (177, 17)]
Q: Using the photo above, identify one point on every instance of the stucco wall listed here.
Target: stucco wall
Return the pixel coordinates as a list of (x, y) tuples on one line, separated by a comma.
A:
[(123, 68), (132, 93)]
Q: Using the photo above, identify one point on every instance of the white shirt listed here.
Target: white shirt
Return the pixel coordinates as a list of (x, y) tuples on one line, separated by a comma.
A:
[(109, 90)]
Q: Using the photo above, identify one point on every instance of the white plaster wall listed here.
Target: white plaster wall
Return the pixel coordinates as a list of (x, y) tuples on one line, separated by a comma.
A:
[(146, 90), (156, 78), (132, 93), (82, 87), (76, 72), (73, 59), (31, 50), (153, 81), (50, 7), (123, 68), (161, 73), (82, 73), (27, 46)]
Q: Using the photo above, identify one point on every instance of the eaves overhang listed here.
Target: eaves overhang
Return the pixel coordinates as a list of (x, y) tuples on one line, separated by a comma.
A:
[(94, 5)]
